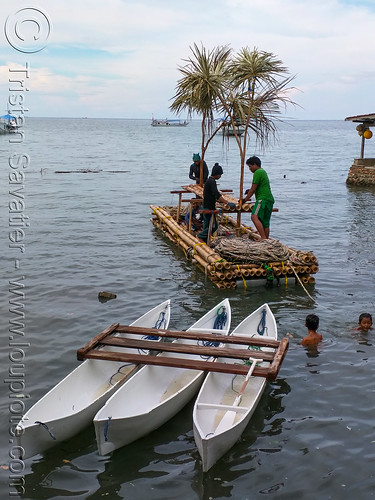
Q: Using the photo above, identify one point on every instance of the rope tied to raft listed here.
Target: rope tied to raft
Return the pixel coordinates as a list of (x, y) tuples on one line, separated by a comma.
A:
[(243, 279), (106, 429), (46, 427), (286, 277)]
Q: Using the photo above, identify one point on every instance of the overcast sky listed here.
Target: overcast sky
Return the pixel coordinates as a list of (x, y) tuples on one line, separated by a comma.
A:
[(119, 58)]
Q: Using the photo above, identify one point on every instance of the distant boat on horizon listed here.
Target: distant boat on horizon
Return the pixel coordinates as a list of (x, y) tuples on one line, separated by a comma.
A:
[(168, 123), (8, 124)]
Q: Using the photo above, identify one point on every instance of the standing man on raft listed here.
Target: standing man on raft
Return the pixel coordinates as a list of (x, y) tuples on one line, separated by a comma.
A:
[(210, 196), (262, 210)]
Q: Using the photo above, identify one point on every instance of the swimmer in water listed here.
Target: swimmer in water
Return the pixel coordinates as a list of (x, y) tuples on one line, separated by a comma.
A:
[(313, 338), (364, 322)]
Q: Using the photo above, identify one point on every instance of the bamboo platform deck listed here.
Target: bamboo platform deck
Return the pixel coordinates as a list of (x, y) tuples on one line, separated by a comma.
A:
[(220, 259), (107, 338)]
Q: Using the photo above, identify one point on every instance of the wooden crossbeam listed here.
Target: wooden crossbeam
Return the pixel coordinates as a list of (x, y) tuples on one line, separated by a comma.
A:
[(191, 364), (177, 334), (95, 341), (175, 347), (106, 337), (198, 335), (278, 359)]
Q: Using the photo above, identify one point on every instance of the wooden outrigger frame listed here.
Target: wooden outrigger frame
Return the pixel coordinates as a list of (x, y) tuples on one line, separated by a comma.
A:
[(106, 338)]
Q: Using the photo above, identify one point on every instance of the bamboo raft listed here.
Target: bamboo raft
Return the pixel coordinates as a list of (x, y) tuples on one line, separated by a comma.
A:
[(235, 255), (107, 338)]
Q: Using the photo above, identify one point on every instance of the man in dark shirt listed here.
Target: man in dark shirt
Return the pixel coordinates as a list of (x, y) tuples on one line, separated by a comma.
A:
[(195, 169), (210, 196)]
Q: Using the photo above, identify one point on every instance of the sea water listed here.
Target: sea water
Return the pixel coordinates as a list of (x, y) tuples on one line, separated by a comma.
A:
[(312, 434)]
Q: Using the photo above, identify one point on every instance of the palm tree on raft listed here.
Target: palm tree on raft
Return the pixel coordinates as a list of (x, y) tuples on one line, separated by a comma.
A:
[(203, 77), (250, 88)]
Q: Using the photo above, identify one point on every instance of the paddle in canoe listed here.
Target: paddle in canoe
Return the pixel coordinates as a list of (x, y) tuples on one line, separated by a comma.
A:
[(226, 402)]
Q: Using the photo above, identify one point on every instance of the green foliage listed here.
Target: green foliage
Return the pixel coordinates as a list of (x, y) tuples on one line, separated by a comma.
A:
[(250, 88)]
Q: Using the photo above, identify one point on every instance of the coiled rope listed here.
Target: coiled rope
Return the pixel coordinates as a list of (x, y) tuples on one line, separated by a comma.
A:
[(243, 250), (221, 318), (161, 322), (261, 328), (219, 324)]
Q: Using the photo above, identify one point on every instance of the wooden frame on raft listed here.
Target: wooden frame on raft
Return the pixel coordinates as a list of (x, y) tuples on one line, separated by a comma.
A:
[(223, 271)]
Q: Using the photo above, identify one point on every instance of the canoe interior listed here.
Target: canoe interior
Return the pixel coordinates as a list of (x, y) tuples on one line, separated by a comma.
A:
[(70, 405), (153, 395), (158, 383), (226, 402)]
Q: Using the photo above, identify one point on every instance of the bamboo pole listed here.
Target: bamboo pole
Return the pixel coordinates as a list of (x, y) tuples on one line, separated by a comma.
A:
[(206, 267), (198, 190), (201, 248), (245, 229)]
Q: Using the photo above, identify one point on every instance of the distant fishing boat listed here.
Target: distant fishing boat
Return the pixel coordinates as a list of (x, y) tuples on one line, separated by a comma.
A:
[(8, 124), (168, 123), (227, 128)]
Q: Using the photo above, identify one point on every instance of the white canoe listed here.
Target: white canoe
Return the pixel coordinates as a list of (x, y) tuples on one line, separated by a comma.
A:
[(154, 394), (224, 406), (71, 405)]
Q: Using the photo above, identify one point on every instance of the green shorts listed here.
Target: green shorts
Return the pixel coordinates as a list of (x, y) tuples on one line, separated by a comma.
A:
[(263, 209)]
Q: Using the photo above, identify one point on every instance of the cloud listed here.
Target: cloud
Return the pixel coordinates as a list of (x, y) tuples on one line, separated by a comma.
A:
[(122, 56)]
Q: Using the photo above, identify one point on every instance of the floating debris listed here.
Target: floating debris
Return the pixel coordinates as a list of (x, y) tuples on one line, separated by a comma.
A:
[(105, 296), (91, 171)]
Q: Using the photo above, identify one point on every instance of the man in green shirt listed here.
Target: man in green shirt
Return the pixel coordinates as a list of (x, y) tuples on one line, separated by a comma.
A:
[(262, 210)]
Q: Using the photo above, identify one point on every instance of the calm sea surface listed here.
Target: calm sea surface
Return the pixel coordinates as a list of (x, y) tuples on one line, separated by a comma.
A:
[(313, 433)]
